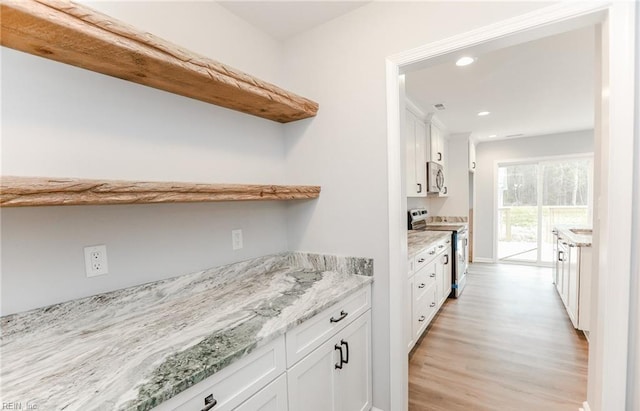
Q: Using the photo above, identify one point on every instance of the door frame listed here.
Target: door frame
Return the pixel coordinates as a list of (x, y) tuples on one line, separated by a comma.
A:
[(533, 160), (607, 389)]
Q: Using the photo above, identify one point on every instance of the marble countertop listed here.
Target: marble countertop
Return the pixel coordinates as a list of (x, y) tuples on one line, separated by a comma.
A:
[(447, 226), (418, 240), (578, 239), (132, 349)]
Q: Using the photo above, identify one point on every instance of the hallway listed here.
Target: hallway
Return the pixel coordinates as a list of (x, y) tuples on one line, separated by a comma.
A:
[(507, 344)]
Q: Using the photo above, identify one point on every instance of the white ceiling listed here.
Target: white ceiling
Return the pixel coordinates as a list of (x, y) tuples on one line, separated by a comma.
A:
[(283, 19), (540, 87)]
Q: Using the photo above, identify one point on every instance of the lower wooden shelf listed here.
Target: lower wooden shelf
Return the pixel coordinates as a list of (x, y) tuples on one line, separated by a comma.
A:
[(45, 191)]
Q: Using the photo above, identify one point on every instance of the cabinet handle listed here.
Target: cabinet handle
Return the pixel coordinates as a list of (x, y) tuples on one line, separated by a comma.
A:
[(432, 305), (474, 165), (342, 315), (466, 241), (439, 156), (422, 318), (560, 255), (448, 241), (446, 259), (419, 187), (422, 285), (432, 252), (339, 348), (441, 246), (209, 402), (346, 345), (432, 275), (445, 190), (421, 260)]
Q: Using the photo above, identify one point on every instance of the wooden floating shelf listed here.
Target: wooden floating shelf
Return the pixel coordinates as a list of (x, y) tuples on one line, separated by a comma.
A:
[(77, 35), (42, 191)]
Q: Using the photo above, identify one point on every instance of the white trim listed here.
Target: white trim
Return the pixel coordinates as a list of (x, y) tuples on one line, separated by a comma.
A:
[(483, 260), (375, 409), (413, 107), (556, 18)]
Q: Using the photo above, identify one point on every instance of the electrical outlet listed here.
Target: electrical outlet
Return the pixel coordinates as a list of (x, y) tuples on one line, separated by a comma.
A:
[(95, 260), (236, 239)]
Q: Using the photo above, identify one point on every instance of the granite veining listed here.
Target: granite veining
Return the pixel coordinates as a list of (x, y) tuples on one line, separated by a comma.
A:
[(418, 240), (583, 238), (134, 348)]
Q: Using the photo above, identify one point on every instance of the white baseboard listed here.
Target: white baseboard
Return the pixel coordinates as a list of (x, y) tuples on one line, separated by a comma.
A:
[(483, 260), (375, 409), (585, 407)]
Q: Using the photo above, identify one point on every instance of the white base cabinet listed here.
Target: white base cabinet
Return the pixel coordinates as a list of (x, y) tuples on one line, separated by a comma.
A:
[(337, 375), (572, 278), (323, 364), (429, 285)]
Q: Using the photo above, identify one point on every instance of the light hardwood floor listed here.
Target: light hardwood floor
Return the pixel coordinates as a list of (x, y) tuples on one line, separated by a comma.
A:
[(506, 344)]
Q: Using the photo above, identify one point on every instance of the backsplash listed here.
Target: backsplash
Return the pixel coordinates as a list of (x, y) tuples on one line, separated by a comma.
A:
[(447, 219)]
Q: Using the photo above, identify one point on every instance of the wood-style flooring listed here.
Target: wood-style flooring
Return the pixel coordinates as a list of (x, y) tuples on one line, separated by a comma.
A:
[(506, 344)]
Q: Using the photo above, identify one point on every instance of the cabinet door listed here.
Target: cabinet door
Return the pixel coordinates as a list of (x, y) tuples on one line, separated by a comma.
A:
[(421, 157), (572, 292), (410, 136), (446, 278), (408, 315), (472, 157), (435, 143), (273, 397), (353, 389), (311, 382)]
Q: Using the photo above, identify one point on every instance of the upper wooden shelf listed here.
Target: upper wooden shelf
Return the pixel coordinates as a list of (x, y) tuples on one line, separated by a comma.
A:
[(77, 35), (42, 191)]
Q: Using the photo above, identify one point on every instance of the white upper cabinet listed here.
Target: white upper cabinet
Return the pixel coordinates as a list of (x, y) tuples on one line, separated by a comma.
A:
[(436, 143), (416, 140), (472, 157)]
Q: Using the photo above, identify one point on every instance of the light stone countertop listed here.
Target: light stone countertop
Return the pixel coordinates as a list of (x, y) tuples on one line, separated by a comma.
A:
[(578, 239), (418, 240), (132, 349)]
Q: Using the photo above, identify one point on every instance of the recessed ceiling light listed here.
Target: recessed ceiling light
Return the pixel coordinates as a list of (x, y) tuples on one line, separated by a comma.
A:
[(492, 136), (484, 113), (464, 61)]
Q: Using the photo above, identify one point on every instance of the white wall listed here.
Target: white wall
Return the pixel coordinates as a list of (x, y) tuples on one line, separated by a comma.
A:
[(341, 64), (59, 120), (488, 153)]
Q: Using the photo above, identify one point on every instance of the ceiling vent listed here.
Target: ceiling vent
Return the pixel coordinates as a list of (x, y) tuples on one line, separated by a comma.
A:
[(439, 106)]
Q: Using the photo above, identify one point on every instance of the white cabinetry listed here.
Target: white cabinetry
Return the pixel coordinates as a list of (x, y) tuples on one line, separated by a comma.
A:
[(273, 397), (573, 280), (436, 142), (416, 141), (336, 376), (322, 364), (472, 157), (429, 286)]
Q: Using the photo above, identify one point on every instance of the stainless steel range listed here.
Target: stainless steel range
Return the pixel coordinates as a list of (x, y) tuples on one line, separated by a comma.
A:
[(460, 245)]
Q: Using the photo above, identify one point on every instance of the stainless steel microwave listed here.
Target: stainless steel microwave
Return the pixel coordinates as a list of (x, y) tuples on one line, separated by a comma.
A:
[(435, 177)]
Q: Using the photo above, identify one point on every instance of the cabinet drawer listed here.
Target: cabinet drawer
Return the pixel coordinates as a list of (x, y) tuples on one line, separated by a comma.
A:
[(234, 384), (307, 336), (423, 258), (423, 310), (423, 280), (273, 397)]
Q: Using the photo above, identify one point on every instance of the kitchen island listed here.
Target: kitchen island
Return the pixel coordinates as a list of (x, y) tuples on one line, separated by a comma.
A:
[(134, 348)]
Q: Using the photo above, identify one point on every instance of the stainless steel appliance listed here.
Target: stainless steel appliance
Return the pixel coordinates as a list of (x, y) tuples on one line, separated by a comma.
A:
[(435, 177)]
